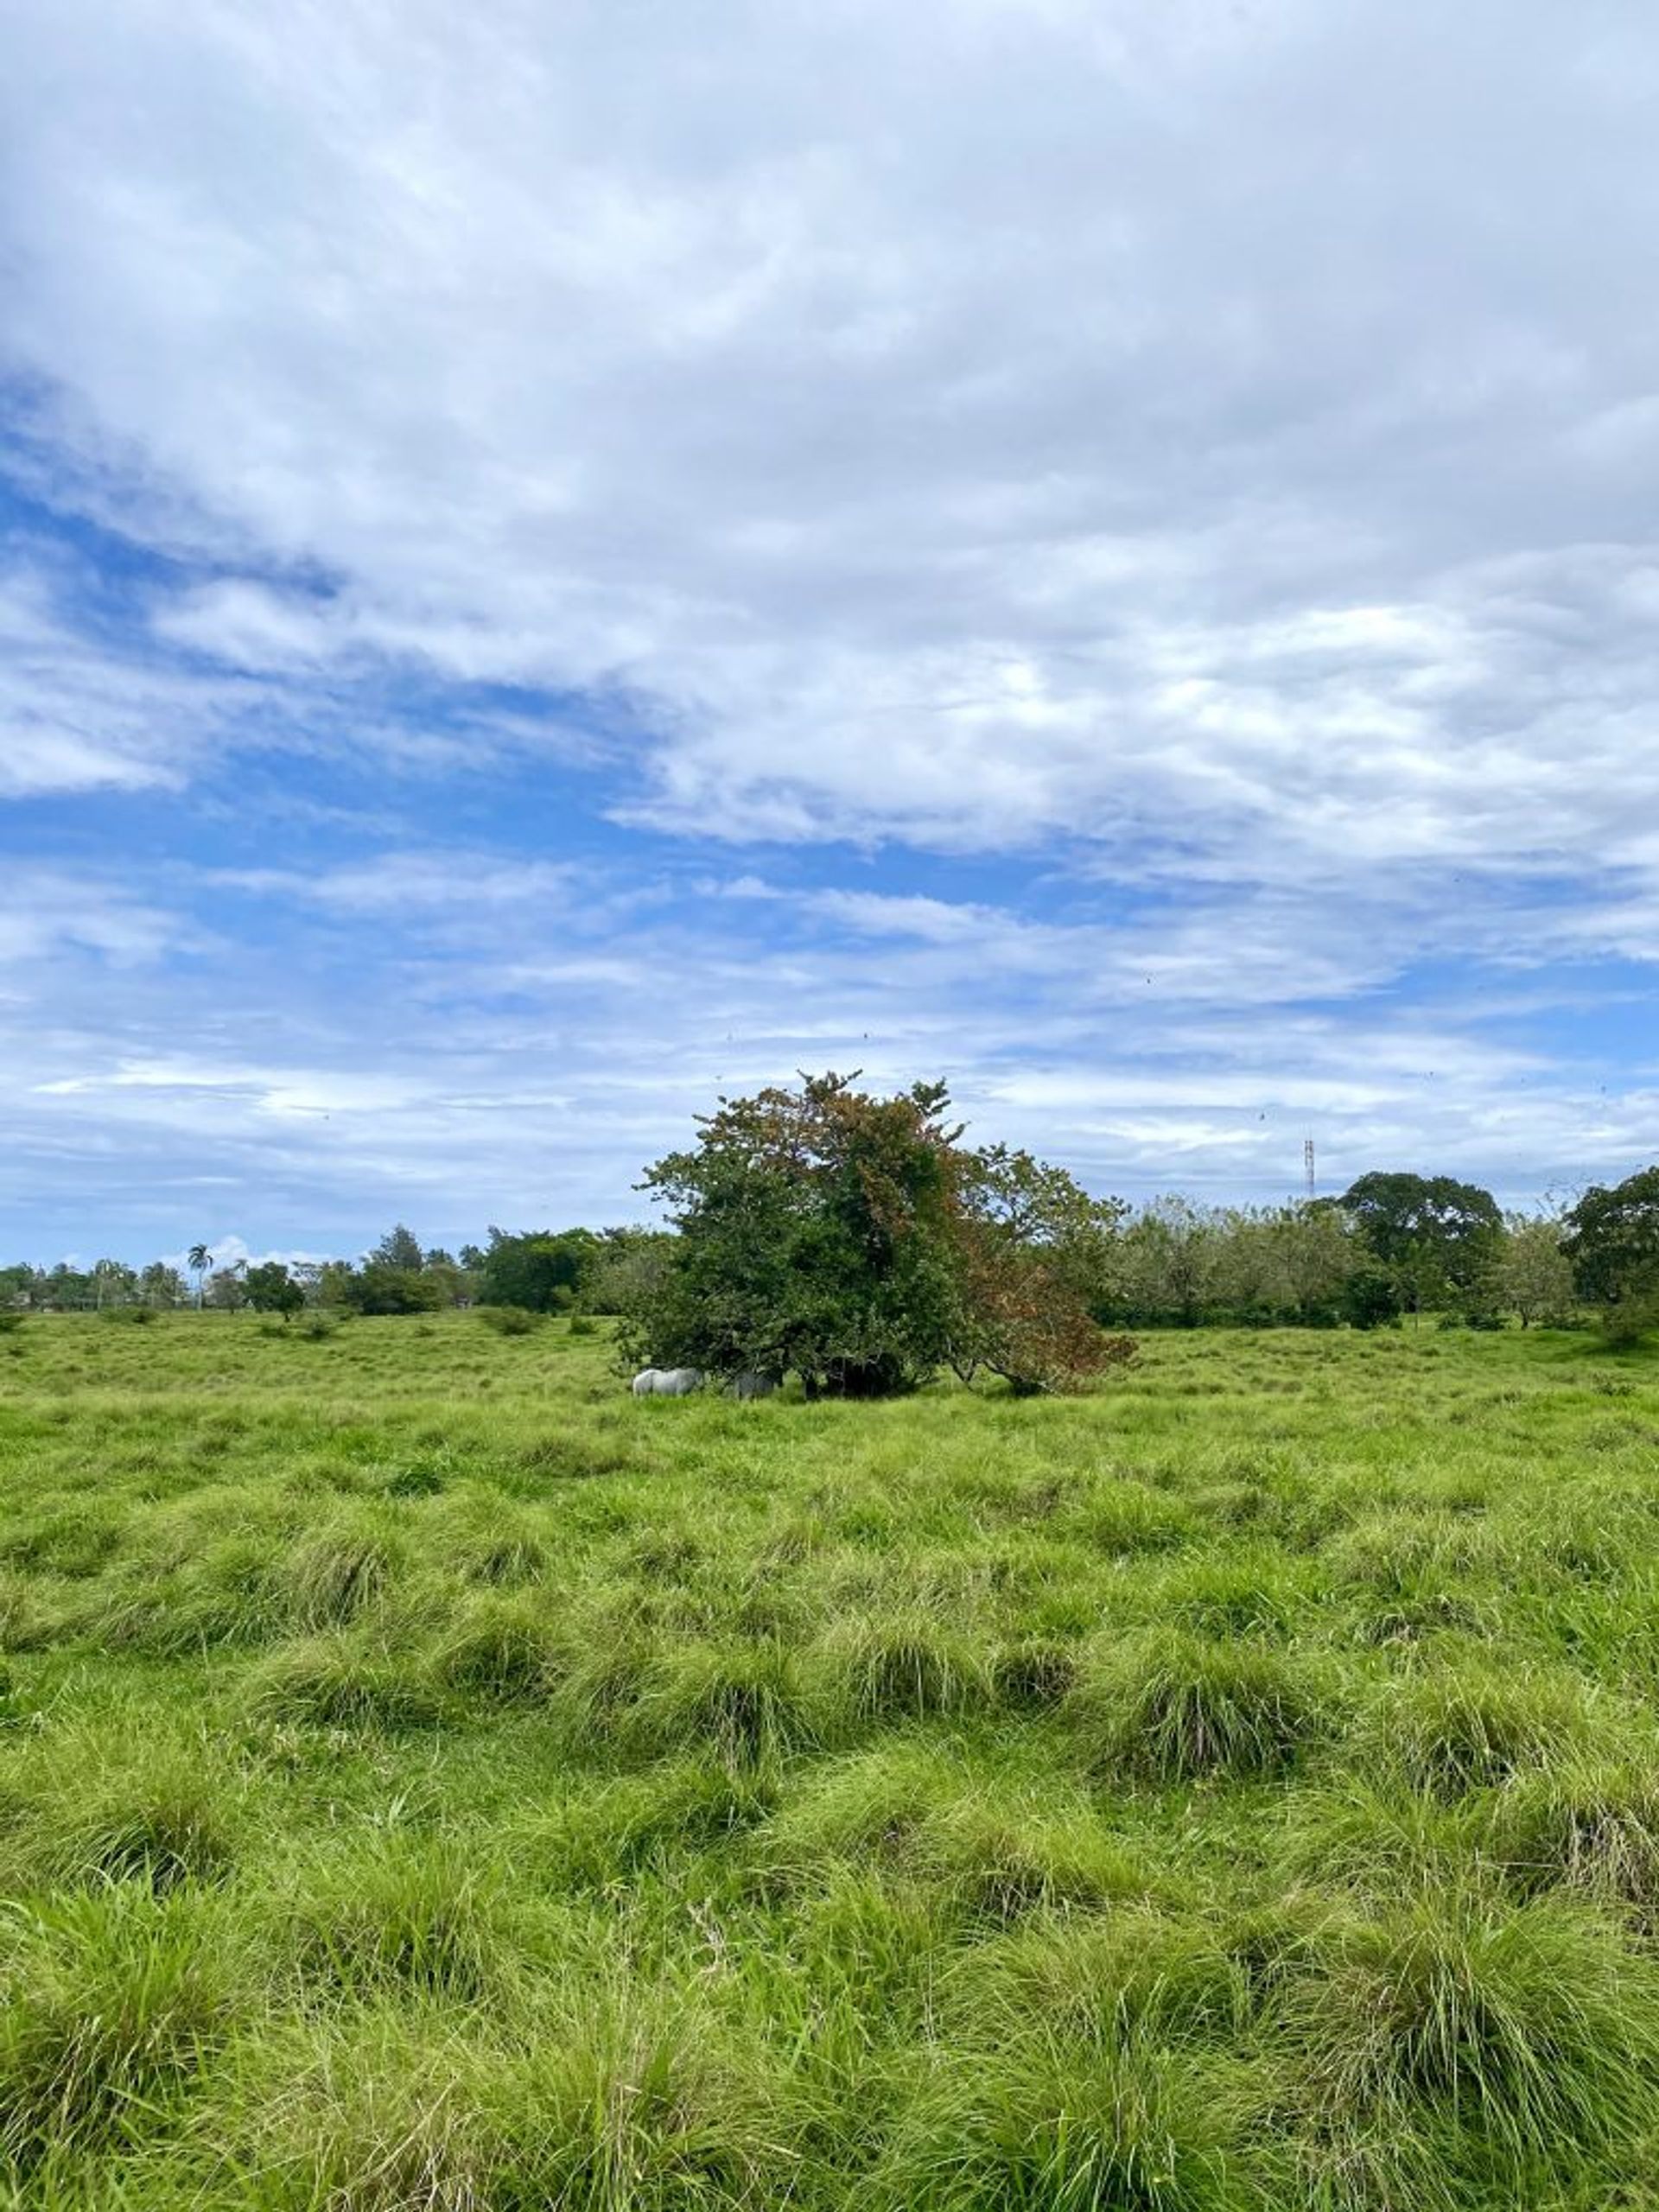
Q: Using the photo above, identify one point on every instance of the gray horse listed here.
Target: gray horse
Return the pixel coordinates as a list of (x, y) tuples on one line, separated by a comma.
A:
[(667, 1382), (751, 1383)]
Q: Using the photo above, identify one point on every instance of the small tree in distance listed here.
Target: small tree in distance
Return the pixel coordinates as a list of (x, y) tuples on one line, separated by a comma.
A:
[(271, 1289)]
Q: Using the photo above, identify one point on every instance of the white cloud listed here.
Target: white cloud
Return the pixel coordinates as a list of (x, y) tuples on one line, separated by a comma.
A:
[(1184, 468), (976, 426)]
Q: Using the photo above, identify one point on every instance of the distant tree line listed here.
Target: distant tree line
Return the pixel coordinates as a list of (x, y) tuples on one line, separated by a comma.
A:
[(538, 1271), (858, 1241)]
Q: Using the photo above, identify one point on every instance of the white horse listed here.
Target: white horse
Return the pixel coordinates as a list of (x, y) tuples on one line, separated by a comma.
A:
[(667, 1382)]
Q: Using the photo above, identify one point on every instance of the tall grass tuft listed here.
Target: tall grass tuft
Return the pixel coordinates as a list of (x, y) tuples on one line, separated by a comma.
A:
[(401, 1913), (1176, 1708), (1586, 1825), (502, 1650), (1045, 2126), (1509, 2041), (1466, 1724), (905, 1668), (337, 1571), (110, 2004), (340, 1681), (746, 1703)]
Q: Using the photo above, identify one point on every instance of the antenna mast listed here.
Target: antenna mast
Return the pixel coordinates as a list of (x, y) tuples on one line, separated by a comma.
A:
[(1307, 1163)]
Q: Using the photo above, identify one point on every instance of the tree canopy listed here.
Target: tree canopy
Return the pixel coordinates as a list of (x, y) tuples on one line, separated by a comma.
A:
[(1612, 1242), (1438, 1237), (856, 1241)]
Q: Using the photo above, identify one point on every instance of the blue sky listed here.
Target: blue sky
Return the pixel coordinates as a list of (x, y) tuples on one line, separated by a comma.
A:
[(553, 562)]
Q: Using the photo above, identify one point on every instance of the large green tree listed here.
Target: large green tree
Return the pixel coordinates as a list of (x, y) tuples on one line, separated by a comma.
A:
[(1439, 1237), (855, 1241), (1612, 1242), (543, 1270)]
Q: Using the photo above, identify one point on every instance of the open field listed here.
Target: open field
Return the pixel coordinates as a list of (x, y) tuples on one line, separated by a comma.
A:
[(429, 1778)]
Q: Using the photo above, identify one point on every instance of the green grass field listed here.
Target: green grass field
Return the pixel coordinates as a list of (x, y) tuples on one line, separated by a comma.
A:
[(429, 1778)]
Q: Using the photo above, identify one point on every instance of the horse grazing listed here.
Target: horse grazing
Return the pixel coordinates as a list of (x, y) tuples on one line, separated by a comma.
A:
[(751, 1383), (667, 1382)]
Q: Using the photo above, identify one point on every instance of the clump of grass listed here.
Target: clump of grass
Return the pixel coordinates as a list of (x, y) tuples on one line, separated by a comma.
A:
[(420, 1480), (1034, 1673), (1584, 1825), (1467, 1725), (994, 1852), (401, 1913), (1046, 2123), (1138, 1971), (601, 1838), (651, 2098), (501, 1649), (613, 1662), (504, 1552), (869, 1809), (905, 1668), (1409, 1619), (744, 1702), (159, 1817), (1513, 2038), (1126, 1517), (110, 2004), (1178, 1708), (998, 1857), (337, 1571), (1378, 1842), (335, 1681), (1221, 1597)]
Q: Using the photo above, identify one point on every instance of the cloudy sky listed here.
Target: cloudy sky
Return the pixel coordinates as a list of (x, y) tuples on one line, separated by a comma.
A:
[(556, 560)]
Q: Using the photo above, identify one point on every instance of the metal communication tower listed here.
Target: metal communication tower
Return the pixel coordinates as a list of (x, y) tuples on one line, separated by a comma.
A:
[(1307, 1162)]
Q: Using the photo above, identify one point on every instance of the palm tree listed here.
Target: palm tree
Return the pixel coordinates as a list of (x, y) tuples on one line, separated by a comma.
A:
[(200, 1259)]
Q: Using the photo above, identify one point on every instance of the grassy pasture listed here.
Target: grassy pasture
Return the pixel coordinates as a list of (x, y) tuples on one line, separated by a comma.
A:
[(430, 1779)]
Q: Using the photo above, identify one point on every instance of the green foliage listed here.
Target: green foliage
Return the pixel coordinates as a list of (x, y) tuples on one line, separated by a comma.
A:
[(539, 1272), (271, 1289), (379, 1288), (511, 1321), (1439, 1237), (853, 1240), (1612, 1242)]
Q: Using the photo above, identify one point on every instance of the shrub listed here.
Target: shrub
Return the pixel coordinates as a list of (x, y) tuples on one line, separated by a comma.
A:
[(511, 1321)]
